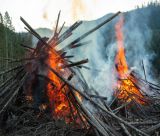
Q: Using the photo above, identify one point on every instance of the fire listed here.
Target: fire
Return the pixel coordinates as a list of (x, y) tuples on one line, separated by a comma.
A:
[(58, 100), (127, 91), (120, 60), (58, 93)]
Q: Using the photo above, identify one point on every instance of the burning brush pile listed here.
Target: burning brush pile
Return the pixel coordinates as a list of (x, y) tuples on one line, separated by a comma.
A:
[(48, 95)]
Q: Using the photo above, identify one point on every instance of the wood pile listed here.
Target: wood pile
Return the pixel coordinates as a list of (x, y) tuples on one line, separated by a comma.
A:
[(90, 113)]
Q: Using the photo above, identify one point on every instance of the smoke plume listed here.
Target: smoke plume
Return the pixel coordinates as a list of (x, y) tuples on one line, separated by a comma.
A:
[(102, 50)]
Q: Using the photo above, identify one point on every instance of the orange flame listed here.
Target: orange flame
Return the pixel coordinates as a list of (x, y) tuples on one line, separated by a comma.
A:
[(58, 93), (120, 57), (58, 101), (127, 91)]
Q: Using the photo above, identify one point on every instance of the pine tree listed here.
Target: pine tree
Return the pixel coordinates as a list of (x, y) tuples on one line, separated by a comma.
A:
[(8, 21), (1, 19)]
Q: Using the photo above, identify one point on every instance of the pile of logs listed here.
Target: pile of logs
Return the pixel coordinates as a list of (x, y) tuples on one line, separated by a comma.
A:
[(95, 115)]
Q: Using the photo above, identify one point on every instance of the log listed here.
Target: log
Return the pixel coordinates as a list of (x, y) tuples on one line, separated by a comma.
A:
[(76, 63), (11, 69), (14, 94), (92, 30)]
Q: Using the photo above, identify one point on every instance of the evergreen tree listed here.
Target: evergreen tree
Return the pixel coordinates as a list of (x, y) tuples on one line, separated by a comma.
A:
[(10, 43), (1, 19), (8, 21)]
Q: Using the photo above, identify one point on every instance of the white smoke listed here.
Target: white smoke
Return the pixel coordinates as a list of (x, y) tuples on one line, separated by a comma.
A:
[(100, 76), (102, 49), (101, 53), (137, 41)]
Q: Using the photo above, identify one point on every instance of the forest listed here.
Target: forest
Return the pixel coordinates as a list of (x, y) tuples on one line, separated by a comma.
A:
[(10, 43)]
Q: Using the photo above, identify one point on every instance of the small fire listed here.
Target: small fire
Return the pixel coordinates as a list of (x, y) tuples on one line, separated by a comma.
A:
[(127, 91)]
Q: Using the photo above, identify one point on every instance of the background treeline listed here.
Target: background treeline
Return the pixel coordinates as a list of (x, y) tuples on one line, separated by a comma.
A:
[(155, 41), (154, 24), (10, 42), (150, 15)]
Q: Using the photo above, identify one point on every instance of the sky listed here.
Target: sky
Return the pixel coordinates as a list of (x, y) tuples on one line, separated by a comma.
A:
[(43, 13)]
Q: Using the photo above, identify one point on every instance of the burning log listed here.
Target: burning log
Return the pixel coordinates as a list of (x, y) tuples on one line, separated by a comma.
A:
[(76, 63)]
